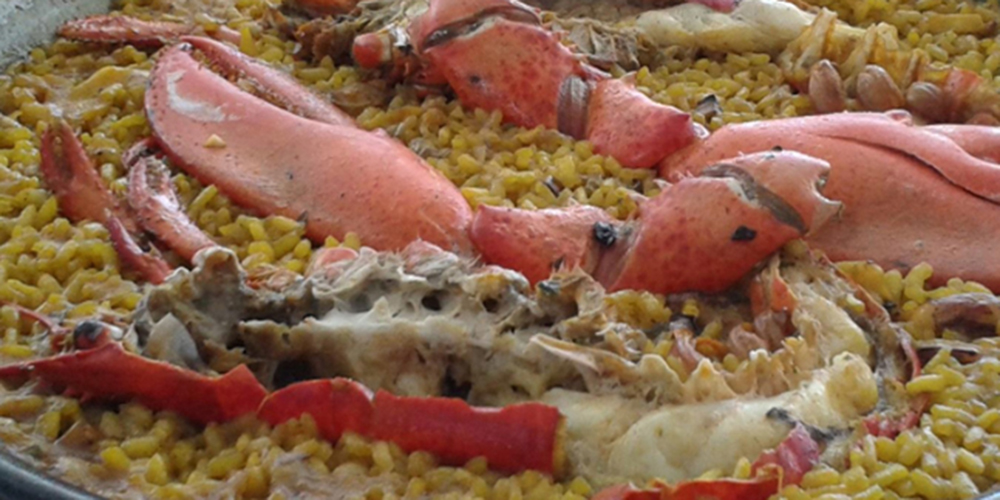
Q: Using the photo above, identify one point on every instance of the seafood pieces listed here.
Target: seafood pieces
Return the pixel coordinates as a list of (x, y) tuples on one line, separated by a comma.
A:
[(457, 41), (753, 203), (449, 428), (427, 323), (911, 194), (467, 45), (351, 179)]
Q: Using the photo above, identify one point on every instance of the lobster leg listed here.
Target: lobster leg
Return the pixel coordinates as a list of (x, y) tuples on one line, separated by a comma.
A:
[(72, 177), (515, 438), (152, 268), (738, 213), (126, 29), (151, 196), (110, 373), (337, 405)]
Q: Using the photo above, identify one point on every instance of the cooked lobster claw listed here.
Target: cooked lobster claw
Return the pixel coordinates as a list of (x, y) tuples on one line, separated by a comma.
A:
[(155, 204), (251, 150), (911, 194), (743, 209), (71, 176)]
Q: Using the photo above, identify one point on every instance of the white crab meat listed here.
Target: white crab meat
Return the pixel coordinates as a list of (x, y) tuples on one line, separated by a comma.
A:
[(614, 439)]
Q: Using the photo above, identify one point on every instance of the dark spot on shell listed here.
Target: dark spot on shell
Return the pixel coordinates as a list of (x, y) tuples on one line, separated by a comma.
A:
[(86, 334), (605, 234), (778, 149), (744, 233), (823, 435)]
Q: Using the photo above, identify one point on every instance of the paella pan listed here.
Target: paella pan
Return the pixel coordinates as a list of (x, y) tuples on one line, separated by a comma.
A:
[(483, 248)]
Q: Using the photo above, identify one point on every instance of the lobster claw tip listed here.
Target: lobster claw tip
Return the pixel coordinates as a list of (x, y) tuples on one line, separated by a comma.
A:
[(742, 210), (797, 180)]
